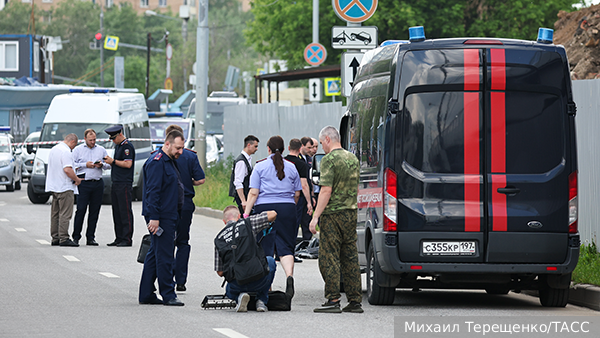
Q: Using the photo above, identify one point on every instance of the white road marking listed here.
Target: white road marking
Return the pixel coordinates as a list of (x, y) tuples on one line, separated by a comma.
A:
[(71, 258), (230, 333), (42, 241), (109, 275), (20, 230), (24, 197), (4, 220)]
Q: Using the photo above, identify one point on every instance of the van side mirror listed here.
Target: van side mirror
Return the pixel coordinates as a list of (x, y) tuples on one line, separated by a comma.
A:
[(316, 168), (31, 149)]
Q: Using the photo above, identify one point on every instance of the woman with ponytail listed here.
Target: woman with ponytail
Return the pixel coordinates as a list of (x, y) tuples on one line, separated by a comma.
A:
[(275, 185)]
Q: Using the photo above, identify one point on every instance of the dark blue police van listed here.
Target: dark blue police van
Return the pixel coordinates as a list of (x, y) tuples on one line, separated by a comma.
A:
[(468, 166)]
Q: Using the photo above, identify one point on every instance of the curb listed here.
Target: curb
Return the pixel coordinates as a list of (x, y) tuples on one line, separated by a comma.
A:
[(208, 212), (585, 295)]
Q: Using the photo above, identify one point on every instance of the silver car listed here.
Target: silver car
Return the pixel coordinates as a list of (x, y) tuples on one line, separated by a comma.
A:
[(10, 163), (27, 158)]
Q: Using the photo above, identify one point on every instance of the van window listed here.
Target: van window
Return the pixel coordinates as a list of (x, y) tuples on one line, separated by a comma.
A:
[(58, 131), (138, 130), (370, 129), (433, 138)]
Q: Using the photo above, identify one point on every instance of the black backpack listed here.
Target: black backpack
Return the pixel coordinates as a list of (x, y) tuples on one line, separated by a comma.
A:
[(243, 259)]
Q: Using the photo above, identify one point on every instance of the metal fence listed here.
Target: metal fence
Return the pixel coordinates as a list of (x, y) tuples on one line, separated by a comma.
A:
[(266, 120), (586, 94)]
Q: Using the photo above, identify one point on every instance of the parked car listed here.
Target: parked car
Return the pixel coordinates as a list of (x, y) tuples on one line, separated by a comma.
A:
[(10, 162), (27, 158)]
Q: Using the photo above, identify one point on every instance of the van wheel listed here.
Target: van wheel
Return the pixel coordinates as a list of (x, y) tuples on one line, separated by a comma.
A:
[(11, 186), (36, 198), (551, 297), (18, 185), (377, 295)]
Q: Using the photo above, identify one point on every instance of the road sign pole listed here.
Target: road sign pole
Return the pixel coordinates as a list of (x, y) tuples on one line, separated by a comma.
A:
[(315, 21), (201, 80), (102, 47)]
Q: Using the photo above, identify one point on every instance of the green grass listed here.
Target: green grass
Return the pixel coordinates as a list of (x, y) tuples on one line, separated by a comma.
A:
[(214, 193), (588, 267)]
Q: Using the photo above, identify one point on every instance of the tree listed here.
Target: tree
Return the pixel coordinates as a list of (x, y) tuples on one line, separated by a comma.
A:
[(15, 18), (282, 29)]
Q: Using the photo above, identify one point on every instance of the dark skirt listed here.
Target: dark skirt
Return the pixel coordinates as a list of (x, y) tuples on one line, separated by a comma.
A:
[(282, 238)]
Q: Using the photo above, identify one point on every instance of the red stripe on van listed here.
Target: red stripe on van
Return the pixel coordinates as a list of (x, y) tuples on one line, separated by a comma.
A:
[(498, 139), (471, 141)]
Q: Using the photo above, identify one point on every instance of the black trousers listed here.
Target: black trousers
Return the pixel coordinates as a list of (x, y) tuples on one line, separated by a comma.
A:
[(121, 209), (90, 194)]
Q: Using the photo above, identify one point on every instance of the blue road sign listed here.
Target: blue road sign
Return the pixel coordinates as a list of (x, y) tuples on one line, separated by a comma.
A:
[(355, 11)]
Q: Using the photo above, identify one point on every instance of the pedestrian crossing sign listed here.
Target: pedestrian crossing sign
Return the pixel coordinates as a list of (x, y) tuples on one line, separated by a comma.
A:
[(333, 86), (111, 42)]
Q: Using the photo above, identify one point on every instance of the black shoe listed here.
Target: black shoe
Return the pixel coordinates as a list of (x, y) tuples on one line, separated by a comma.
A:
[(76, 241), (297, 260), (174, 302), (152, 301), (113, 243), (92, 242), (289, 287), (181, 287), (68, 242), (355, 307), (124, 244), (329, 307), (55, 242)]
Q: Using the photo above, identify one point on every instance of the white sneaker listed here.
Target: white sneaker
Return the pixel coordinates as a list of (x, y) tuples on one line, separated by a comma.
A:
[(260, 306), (242, 302)]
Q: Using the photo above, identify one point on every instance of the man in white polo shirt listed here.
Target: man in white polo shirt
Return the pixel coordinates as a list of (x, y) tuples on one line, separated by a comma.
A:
[(62, 182)]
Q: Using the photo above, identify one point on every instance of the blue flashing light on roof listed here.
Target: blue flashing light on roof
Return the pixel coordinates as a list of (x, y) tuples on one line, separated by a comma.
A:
[(4, 129), (545, 35), (89, 90), (416, 34), (168, 114), (392, 42)]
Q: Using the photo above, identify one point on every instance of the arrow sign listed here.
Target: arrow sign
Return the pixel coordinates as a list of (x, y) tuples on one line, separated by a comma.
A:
[(314, 89), (350, 63)]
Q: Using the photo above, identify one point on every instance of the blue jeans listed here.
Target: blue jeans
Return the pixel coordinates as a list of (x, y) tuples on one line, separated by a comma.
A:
[(261, 286)]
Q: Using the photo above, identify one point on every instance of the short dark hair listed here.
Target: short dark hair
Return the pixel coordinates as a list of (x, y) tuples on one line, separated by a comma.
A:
[(250, 138), (306, 140), (173, 127), (173, 135), (295, 144)]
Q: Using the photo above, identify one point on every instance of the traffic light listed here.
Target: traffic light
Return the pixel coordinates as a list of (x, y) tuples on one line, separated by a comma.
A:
[(99, 39)]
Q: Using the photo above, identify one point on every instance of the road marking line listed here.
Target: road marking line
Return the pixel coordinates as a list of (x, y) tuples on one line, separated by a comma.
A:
[(109, 275), (24, 197), (230, 333), (4, 220), (42, 241), (20, 230), (71, 258)]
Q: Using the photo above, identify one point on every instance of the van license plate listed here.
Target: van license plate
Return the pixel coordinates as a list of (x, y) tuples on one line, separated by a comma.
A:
[(455, 248)]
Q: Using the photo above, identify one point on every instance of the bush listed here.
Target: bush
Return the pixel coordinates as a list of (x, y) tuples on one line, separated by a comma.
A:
[(588, 267), (215, 192)]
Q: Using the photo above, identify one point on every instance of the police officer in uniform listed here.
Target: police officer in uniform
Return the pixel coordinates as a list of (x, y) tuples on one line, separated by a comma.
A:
[(191, 174), (161, 207), (122, 180), (239, 184)]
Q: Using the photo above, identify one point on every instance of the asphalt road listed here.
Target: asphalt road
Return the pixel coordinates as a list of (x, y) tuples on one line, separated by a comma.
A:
[(50, 291)]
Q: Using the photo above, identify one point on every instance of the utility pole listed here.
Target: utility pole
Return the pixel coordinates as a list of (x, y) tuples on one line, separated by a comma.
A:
[(201, 79), (102, 47), (149, 44)]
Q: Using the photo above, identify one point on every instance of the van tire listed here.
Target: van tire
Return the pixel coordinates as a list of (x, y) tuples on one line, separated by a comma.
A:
[(36, 198), (551, 297), (11, 186), (377, 295), (18, 185)]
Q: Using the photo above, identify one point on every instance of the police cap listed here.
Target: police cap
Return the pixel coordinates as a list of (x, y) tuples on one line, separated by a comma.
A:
[(114, 131)]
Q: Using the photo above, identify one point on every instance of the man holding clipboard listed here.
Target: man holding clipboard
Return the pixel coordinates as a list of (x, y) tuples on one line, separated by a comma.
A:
[(88, 166)]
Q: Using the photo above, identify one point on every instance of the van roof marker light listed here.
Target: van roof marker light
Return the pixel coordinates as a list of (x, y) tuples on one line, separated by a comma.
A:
[(416, 34), (482, 42), (162, 114), (393, 42), (89, 90), (5, 129), (545, 35)]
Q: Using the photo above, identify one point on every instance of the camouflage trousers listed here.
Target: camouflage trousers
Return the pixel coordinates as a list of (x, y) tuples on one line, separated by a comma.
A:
[(338, 255)]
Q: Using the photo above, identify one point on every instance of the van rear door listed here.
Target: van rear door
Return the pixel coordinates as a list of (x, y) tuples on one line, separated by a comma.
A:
[(527, 169)]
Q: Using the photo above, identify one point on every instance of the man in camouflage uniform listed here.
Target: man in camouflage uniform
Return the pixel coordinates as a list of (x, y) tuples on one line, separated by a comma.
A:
[(336, 215)]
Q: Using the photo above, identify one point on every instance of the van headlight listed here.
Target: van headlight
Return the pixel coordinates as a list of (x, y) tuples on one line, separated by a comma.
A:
[(38, 167), (4, 163)]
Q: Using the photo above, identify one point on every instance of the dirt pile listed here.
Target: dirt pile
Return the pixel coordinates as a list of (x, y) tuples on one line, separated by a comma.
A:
[(579, 32)]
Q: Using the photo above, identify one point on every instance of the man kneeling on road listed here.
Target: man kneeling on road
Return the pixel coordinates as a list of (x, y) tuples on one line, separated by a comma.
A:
[(240, 259)]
